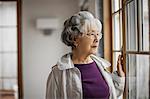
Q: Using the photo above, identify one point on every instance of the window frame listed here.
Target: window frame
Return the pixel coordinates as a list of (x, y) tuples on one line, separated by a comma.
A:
[(124, 24), (107, 29), (19, 46), (108, 25)]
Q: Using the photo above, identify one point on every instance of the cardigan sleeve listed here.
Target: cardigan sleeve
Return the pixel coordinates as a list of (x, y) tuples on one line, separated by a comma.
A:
[(52, 91), (119, 83)]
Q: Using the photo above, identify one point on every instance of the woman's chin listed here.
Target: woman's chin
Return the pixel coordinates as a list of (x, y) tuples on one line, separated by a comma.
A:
[(94, 51)]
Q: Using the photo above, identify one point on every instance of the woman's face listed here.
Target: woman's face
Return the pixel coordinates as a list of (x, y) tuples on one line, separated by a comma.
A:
[(88, 43)]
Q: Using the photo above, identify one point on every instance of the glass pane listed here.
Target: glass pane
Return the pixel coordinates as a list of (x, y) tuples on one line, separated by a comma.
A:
[(144, 26), (9, 63), (131, 32), (115, 58), (115, 5), (1, 86), (121, 34), (8, 14), (8, 39), (138, 76), (0, 64), (131, 75), (120, 3), (9, 84), (8, 49), (117, 32), (1, 39)]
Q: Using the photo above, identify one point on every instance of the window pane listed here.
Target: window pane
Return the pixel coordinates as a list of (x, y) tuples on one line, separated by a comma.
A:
[(115, 58), (9, 65), (0, 64), (1, 39), (131, 75), (9, 84), (8, 14), (131, 32), (117, 31), (144, 26), (115, 5), (121, 35), (138, 76), (8, 39), (1, 86), (120, 1), (8, 48)]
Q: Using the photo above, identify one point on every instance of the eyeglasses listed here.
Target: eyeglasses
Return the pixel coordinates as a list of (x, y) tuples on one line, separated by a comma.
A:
[(93, 35)]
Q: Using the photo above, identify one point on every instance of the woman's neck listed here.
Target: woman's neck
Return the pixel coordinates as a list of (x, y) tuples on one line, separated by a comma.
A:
[(80, 58)]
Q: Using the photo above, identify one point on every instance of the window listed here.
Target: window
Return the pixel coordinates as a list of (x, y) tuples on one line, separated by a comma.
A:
[(10, 62), (116, 30), (130, 21)]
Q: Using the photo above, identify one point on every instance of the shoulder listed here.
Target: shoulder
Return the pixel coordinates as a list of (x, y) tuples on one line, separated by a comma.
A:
[(55, 71), (54, 68)]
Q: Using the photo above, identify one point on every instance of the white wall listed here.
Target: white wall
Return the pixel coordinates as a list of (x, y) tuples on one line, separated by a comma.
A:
[(40, 52)]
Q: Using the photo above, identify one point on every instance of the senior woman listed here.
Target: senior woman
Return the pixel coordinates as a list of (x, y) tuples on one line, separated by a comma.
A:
[(81, 74)]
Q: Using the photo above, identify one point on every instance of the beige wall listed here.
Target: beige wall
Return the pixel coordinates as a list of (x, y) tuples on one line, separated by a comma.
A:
[(40, 52)]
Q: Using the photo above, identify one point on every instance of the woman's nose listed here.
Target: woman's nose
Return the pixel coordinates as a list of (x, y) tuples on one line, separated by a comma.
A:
[(96, 38)]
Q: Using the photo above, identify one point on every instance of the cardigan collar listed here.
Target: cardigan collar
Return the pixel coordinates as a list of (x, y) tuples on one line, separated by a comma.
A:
[(65, 61)]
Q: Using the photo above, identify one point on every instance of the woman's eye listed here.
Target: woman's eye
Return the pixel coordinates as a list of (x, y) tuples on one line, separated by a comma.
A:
[(89, 34)]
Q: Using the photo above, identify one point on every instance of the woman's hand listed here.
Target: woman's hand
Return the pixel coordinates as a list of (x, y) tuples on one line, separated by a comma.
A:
[(120, 66)]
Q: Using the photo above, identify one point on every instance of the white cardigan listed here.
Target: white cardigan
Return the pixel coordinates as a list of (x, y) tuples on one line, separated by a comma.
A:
[(64, 81)]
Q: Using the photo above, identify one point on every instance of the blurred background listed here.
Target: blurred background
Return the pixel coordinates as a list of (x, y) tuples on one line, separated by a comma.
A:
[(30, 42)]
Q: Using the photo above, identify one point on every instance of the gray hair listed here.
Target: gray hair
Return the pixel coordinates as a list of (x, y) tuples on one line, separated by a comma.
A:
[(82, 22)]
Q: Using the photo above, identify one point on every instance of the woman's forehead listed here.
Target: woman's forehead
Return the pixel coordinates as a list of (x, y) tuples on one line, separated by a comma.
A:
[(94, 29)]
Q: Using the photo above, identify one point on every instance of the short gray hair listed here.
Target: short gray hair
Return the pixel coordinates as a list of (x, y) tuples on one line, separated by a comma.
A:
[(82, 22)]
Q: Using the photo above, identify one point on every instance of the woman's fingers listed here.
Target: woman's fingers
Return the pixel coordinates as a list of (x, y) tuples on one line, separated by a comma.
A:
[(119, 66)]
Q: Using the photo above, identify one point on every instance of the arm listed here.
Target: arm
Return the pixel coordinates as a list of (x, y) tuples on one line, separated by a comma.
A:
[(119, 83), (119, 77)]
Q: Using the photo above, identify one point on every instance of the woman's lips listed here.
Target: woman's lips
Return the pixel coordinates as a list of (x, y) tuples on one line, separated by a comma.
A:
[(94, 46)]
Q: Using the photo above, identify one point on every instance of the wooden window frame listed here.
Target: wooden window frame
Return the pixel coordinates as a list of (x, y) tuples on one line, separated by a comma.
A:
[(19, 45), (125, 51), (108, 27)]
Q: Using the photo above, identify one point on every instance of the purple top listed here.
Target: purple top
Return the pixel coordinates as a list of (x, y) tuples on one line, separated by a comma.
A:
[(93, 83)]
